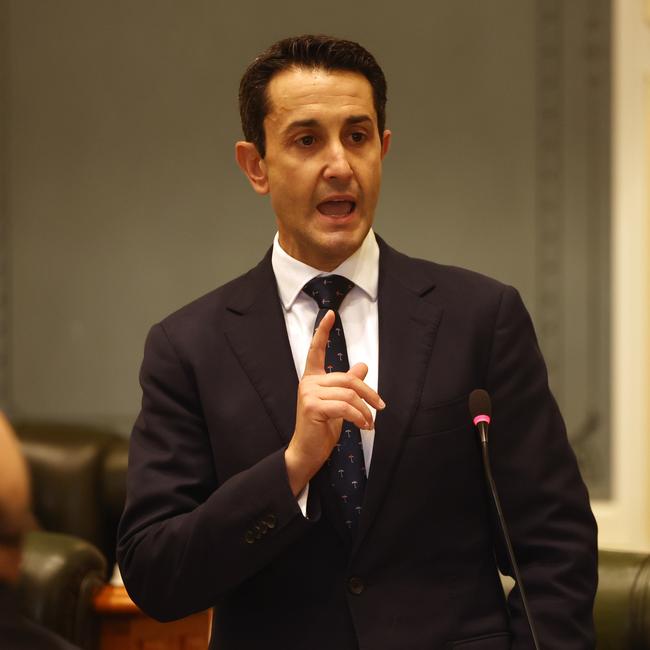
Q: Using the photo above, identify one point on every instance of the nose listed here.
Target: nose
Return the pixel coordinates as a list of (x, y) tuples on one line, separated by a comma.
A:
[(337, 165)]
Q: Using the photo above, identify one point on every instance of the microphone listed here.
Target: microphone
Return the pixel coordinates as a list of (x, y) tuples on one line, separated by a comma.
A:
[(480, 408)]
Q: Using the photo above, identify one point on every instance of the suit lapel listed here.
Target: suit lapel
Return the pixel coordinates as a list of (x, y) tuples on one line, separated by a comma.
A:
[(256, 331), (408, 322)]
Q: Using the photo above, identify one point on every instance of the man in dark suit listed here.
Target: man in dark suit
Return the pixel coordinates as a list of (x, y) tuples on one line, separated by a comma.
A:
[(348, 509)]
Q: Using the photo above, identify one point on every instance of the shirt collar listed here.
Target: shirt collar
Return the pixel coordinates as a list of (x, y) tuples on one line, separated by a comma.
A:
[(291, 275)]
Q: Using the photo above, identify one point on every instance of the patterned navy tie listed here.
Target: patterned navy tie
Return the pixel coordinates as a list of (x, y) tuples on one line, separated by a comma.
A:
[(346, 465)]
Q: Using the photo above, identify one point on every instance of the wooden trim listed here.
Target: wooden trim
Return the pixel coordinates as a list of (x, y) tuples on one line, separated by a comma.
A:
[(123, 626), (114, 600)]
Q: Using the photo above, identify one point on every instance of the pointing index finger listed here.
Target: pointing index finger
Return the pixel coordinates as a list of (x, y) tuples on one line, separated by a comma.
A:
[(315, 364)]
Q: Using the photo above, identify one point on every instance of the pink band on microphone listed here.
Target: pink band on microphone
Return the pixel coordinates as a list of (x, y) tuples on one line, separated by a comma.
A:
[(481, 418)]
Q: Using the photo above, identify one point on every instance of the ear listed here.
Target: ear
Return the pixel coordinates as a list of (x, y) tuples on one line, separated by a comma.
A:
[(385, 143), (253, 165)]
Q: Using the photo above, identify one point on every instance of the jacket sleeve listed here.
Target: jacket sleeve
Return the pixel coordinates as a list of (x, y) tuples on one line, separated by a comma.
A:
[(184, 539), (544, 499)]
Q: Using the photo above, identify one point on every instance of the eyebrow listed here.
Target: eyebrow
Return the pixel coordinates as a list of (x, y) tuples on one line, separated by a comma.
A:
[(353, 119)]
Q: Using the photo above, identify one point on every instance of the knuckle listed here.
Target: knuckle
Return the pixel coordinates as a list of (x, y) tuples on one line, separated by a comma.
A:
[(307, 399), (343, 380), (313, 407)]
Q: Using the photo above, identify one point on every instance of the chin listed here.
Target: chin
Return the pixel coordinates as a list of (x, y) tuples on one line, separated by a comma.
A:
[(339, 246)]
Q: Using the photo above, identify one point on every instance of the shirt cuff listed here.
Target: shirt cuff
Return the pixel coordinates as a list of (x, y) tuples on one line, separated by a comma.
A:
[(302, 500)]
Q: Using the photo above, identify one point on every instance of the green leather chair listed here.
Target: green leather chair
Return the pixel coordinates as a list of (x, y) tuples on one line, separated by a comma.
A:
[(78, 476), (60, 575), (78, 480), (622, 610)]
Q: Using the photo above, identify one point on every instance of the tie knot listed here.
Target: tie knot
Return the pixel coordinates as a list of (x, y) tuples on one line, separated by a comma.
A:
[(328, 290)]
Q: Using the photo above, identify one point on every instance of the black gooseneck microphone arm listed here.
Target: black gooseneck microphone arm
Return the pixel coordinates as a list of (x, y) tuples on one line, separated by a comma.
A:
[(480, 409)]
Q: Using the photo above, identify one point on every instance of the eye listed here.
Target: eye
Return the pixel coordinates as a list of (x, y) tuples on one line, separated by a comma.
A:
[(358, 137), (306, 140)]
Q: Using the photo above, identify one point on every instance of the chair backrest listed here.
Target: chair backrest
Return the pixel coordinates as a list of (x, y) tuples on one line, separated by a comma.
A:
[(78, 480)]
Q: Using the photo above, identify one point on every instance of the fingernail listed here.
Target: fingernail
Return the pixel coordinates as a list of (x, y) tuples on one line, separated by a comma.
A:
[(382, 404)]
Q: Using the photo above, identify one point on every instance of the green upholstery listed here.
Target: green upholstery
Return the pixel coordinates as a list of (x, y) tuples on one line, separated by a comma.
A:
[(78, 490), (78, 480), (59, 576), (622, 609)]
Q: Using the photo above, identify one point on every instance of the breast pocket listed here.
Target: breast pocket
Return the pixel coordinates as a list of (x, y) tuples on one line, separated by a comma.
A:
[(441, 418)]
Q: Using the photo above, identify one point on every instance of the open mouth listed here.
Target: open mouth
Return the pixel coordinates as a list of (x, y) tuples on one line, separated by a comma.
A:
[(336, 208)]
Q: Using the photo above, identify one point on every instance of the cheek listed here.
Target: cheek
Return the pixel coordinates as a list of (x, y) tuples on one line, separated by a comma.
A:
[(288, 200), (369, 171), (291, 186), (372, 183)]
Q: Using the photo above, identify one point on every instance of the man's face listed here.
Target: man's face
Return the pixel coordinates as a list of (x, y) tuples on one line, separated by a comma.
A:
[(323, 163)]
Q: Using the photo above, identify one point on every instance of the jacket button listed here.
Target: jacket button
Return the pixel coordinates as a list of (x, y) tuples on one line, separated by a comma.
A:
[(355, 585), (270, 521), (249, 537)]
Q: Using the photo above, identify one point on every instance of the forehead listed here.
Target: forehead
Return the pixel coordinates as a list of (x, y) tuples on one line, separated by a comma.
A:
[(316, 93)]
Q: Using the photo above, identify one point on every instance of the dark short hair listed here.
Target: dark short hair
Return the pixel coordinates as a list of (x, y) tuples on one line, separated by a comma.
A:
[(307, 51)]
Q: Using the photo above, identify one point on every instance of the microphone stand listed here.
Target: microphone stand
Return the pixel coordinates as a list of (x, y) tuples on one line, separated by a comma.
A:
[(482, 427)]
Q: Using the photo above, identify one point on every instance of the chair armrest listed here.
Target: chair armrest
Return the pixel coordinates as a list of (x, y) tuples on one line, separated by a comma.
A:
[(59, 577), (622, 609)]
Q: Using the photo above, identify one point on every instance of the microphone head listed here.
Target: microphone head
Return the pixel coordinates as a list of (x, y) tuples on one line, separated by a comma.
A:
[(480, 407)]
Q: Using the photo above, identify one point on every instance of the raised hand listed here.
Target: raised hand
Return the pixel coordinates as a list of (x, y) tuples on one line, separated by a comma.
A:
[(324, 401)]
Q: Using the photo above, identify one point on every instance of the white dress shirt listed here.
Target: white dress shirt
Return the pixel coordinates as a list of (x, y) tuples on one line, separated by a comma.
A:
[(358, 314)]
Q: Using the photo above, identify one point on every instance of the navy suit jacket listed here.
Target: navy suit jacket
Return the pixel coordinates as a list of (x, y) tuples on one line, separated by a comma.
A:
[(210, 519)]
